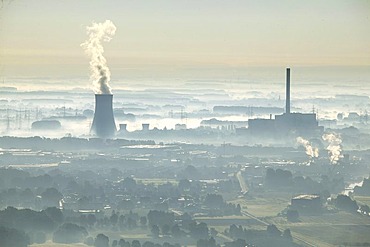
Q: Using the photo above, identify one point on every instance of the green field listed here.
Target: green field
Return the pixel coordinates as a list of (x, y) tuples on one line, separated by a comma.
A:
[(221, 223), (363, 200), (330, 229), (265, 205), (51, 244), (156, 181), (327, 230), (334, 234)]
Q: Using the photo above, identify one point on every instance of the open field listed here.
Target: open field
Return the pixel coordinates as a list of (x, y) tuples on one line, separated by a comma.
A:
[(139, 236), (265, 205), (334, 234), (51, 244), (227, 221), (331, 229), (156, 181), (363, 200)]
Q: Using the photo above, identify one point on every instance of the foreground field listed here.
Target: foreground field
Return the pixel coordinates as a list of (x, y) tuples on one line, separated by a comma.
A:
[(327, 230), (331, 229), (265, 204), (363, 200), (51, 244)]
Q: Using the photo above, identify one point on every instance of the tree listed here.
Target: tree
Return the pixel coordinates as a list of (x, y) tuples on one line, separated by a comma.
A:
[(190, 172), (91, 220), (214, 201), (27, 195), (131, 223), (113, 218), (234, 231), (26, 220), (69, 233), (38, 237), (206, 242), (55, 214), (101, 241), (176, 231), (51, 197), (287, 235), (10, 237), (89, 241), (273, 231), (292, 215), (199, 231), (155, 231), (121, 242), (135, 243), (278, 178), (346, 203), (184, 184), (213, 232), (160, 218), (148, 244), (165, 229), (128, 184), (237, 243), (143, 221)]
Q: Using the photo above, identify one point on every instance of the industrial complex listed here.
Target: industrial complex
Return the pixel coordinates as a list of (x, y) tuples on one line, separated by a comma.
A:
[(284, 125), (289, 123)]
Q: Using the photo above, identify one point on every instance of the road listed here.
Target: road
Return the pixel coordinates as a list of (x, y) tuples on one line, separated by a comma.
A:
[(244, 190), (266, 223), (243, 184)]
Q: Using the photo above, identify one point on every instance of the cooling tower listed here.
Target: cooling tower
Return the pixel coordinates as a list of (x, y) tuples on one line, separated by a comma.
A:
[(103, 124)]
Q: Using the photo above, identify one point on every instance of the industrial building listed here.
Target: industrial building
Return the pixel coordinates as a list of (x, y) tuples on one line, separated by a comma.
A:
[(304, 124)]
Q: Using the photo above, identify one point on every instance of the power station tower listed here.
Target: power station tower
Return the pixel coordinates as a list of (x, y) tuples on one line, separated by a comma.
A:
[(103, 124), (287, 92)]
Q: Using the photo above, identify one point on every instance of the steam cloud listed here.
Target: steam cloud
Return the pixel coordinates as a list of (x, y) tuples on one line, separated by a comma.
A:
[(334, 148), (100, 74), (312, 152)]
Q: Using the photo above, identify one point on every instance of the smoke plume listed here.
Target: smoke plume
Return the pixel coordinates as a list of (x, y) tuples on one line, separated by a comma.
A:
[(312, 152), (100, 74), (334, 148)]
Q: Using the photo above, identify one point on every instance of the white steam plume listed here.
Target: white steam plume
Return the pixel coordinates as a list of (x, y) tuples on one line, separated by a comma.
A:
[(334, 148), (312, 152), (100, 74)]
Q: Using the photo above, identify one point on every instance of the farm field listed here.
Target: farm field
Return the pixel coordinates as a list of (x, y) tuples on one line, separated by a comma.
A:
[(51, 244)]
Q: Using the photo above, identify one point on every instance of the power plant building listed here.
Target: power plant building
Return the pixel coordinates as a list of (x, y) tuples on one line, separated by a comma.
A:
[(305, 124)]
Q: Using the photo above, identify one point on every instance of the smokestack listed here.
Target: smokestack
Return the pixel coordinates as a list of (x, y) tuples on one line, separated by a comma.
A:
[(287, 96), (103, 124)]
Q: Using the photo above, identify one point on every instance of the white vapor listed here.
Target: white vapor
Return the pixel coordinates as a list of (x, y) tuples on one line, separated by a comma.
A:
[(100, 74), (334, 148), (312, 152)]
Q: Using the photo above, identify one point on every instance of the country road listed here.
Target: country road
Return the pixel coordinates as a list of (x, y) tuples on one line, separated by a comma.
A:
[(300, 238), (243, 184)]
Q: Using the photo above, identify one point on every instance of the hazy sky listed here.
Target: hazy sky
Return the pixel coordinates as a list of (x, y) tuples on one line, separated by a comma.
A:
[(43, 37)]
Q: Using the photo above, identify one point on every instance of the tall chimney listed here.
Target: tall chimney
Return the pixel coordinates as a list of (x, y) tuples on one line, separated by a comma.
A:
[(103, 124), (287, 96)]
